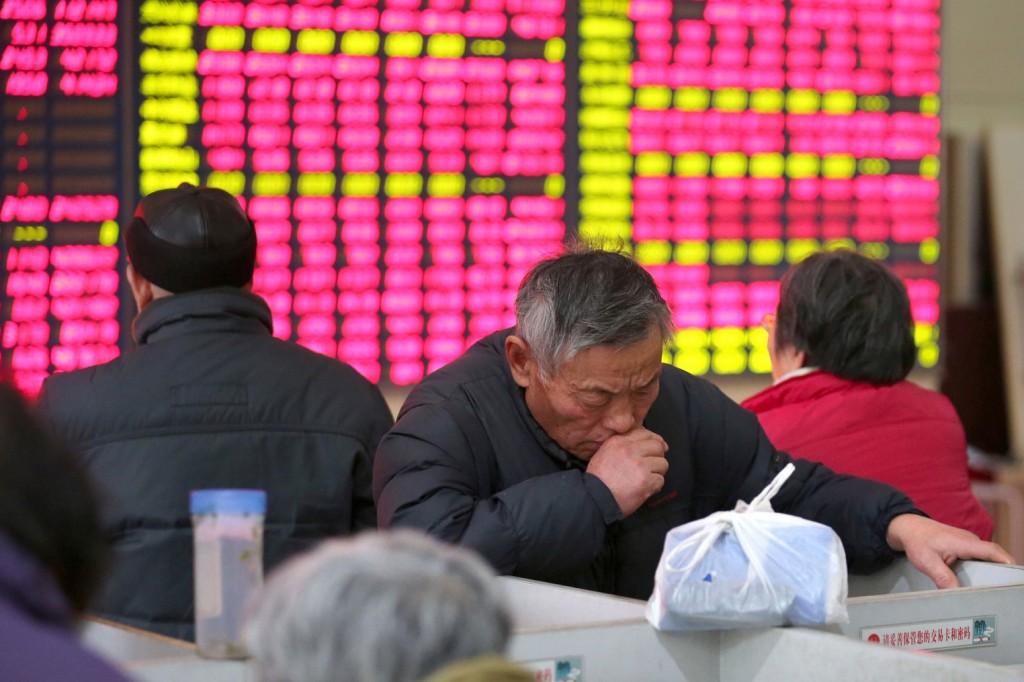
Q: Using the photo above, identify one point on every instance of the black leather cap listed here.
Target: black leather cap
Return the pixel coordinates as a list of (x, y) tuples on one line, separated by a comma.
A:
[(191, 238)]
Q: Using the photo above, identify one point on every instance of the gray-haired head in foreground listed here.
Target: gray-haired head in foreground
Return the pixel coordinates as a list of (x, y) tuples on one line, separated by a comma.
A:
[(381, 607), (587, 297)]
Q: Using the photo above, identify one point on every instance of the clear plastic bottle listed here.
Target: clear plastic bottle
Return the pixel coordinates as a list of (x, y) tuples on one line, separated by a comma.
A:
[(228, 539)]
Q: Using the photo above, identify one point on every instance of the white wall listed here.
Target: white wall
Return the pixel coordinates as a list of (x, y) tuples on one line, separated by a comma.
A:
[(983, 63), (983, 85)]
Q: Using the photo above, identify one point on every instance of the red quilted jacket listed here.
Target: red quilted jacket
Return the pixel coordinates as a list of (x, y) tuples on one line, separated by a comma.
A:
[(903, 435)]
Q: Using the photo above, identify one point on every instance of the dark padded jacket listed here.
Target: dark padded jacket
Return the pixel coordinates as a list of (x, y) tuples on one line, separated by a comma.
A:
[(467, 463), (209, 399)]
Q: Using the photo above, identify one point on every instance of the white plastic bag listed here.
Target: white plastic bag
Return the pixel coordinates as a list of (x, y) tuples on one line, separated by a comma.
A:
[(750, 567)]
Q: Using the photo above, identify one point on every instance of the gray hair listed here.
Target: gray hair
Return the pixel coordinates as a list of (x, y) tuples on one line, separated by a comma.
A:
[(377, 607), (587, 297)]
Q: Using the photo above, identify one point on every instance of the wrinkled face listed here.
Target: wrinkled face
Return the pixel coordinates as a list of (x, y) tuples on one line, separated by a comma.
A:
[(601, 392)]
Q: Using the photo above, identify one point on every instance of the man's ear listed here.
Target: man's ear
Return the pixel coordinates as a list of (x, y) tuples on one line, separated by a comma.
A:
[(142, 290), (520, 361)]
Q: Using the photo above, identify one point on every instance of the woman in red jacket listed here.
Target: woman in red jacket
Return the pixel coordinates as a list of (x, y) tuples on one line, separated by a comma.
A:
[(842, 345)]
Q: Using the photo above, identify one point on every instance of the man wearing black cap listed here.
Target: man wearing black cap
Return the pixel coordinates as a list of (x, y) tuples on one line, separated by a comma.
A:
[(208, 398)]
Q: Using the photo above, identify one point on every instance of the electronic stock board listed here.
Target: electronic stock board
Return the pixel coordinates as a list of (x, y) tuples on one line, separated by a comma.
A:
[(406, 161)]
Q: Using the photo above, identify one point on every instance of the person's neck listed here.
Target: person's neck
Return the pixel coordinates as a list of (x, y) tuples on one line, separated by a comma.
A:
[(798, 372)]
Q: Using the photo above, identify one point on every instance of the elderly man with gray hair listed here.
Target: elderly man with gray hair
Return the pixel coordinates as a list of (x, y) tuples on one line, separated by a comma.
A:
[(383, 607), (564, 450)]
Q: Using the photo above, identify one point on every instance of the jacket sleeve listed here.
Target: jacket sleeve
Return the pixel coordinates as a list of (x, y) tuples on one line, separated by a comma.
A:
[(431, 474), (378, 421), (858, 510)]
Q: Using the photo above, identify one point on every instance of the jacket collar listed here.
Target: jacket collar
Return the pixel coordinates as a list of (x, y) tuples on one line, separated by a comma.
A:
[(206, 310), (799, 372), (800, 388), (547, 444)]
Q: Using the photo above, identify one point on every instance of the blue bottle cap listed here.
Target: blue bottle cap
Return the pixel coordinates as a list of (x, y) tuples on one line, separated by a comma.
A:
[(228, 502)]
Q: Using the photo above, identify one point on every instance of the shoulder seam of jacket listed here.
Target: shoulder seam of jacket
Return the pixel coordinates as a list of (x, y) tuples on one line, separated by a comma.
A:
[(236, 427)]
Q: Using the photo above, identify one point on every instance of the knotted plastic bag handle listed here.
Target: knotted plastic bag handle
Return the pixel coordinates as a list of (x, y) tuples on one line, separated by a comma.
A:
[(763, 500), (761, 503)]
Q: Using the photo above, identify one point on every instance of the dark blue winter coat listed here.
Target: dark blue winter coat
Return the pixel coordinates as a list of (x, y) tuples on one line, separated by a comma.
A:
[(467, 463)]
